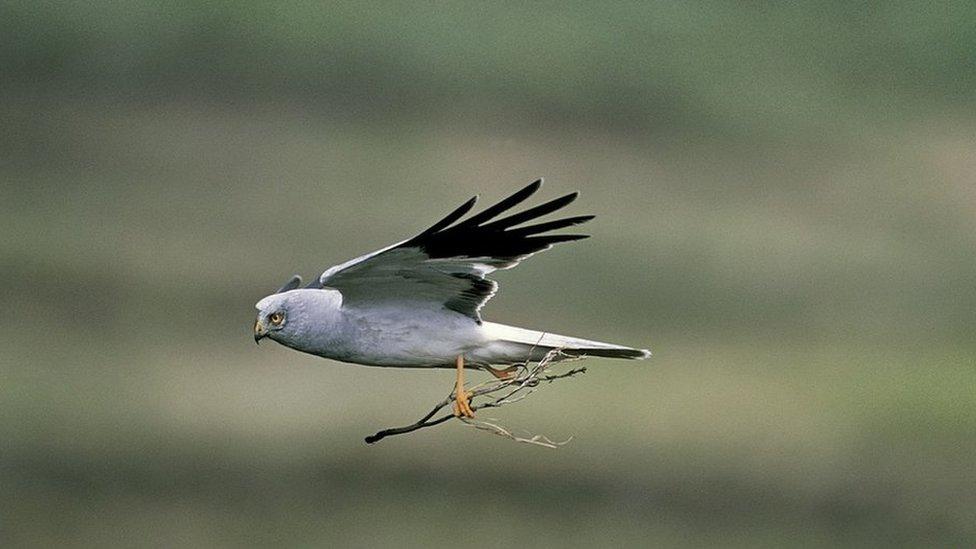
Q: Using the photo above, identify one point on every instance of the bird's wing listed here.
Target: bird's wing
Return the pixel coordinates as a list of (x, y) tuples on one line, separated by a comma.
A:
[(446, 264)]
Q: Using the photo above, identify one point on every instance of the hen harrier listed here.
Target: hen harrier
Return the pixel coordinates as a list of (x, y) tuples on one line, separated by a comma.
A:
[(418, 303)]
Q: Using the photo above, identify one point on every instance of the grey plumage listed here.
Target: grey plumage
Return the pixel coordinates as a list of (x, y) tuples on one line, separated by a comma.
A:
[(418, 303)]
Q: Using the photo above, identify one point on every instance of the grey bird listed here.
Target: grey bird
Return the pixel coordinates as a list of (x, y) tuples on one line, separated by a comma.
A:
[(417, 303)]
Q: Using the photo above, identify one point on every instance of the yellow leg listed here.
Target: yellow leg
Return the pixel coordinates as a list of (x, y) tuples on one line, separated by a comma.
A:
[(462, 407)]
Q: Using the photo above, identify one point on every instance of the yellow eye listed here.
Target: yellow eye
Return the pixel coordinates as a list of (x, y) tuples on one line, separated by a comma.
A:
[(276, 318)]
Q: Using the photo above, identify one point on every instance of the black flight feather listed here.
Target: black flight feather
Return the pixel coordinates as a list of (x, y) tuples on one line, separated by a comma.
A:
[(532, 213), (506, 204), (478, 236), (551, 225), (499, 244), (451, 217)]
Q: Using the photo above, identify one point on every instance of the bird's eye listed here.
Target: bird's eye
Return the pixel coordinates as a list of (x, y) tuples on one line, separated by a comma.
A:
[(276, 318)]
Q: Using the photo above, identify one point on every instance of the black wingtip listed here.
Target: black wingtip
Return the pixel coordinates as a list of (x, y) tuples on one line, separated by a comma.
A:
[(543, 241), (498, 239), (530, 189), (452, 217), (502, 205), (532, 213), (466, 207), (562, 201), (524, 192), (566, 237), (569, 198), (527, 190), (551, 225)]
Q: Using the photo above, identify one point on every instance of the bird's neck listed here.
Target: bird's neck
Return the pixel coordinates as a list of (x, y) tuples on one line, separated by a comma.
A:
[(318, 314)]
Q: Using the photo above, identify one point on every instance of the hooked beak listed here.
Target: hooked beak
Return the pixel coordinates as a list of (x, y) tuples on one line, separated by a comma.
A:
[(260, 331)]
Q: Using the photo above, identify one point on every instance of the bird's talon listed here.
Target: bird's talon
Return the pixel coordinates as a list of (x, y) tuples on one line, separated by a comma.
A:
[(462, 405)]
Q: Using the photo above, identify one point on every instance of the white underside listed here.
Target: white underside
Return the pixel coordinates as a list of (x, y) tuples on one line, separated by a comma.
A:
[(418, 335), (510, 344), (418, 343)]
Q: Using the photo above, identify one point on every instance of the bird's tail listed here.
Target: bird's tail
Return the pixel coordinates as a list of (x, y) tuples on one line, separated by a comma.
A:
[(511, 344)]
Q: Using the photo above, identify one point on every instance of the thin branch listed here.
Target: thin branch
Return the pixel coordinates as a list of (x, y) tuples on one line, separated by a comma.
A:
[(495, 429), (503, 392)]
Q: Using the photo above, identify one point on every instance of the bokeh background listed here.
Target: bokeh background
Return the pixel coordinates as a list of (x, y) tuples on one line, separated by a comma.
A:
[(786, 216)]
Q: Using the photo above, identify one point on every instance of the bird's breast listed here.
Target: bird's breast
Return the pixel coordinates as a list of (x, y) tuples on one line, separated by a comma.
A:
[(400, 336)]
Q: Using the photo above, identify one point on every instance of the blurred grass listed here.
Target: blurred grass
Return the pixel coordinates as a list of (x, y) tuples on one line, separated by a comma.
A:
[(785, 215), (707, 69)]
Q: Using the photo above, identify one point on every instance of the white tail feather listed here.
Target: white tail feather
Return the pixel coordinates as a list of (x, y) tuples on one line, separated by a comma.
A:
[(514, 343)]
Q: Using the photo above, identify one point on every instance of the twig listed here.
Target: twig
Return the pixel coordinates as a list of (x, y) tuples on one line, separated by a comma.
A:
[(511, 390)]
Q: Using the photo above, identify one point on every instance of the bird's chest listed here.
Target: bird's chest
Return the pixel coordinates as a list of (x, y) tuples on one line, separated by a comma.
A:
[(403, 337)]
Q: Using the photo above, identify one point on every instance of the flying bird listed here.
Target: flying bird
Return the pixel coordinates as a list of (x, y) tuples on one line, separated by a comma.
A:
[(417, 303)]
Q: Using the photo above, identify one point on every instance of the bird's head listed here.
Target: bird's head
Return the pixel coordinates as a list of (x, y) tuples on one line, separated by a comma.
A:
[(274, 313)]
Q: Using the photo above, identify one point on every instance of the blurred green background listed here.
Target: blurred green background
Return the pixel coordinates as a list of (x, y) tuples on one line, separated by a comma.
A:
[(786, 212)]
